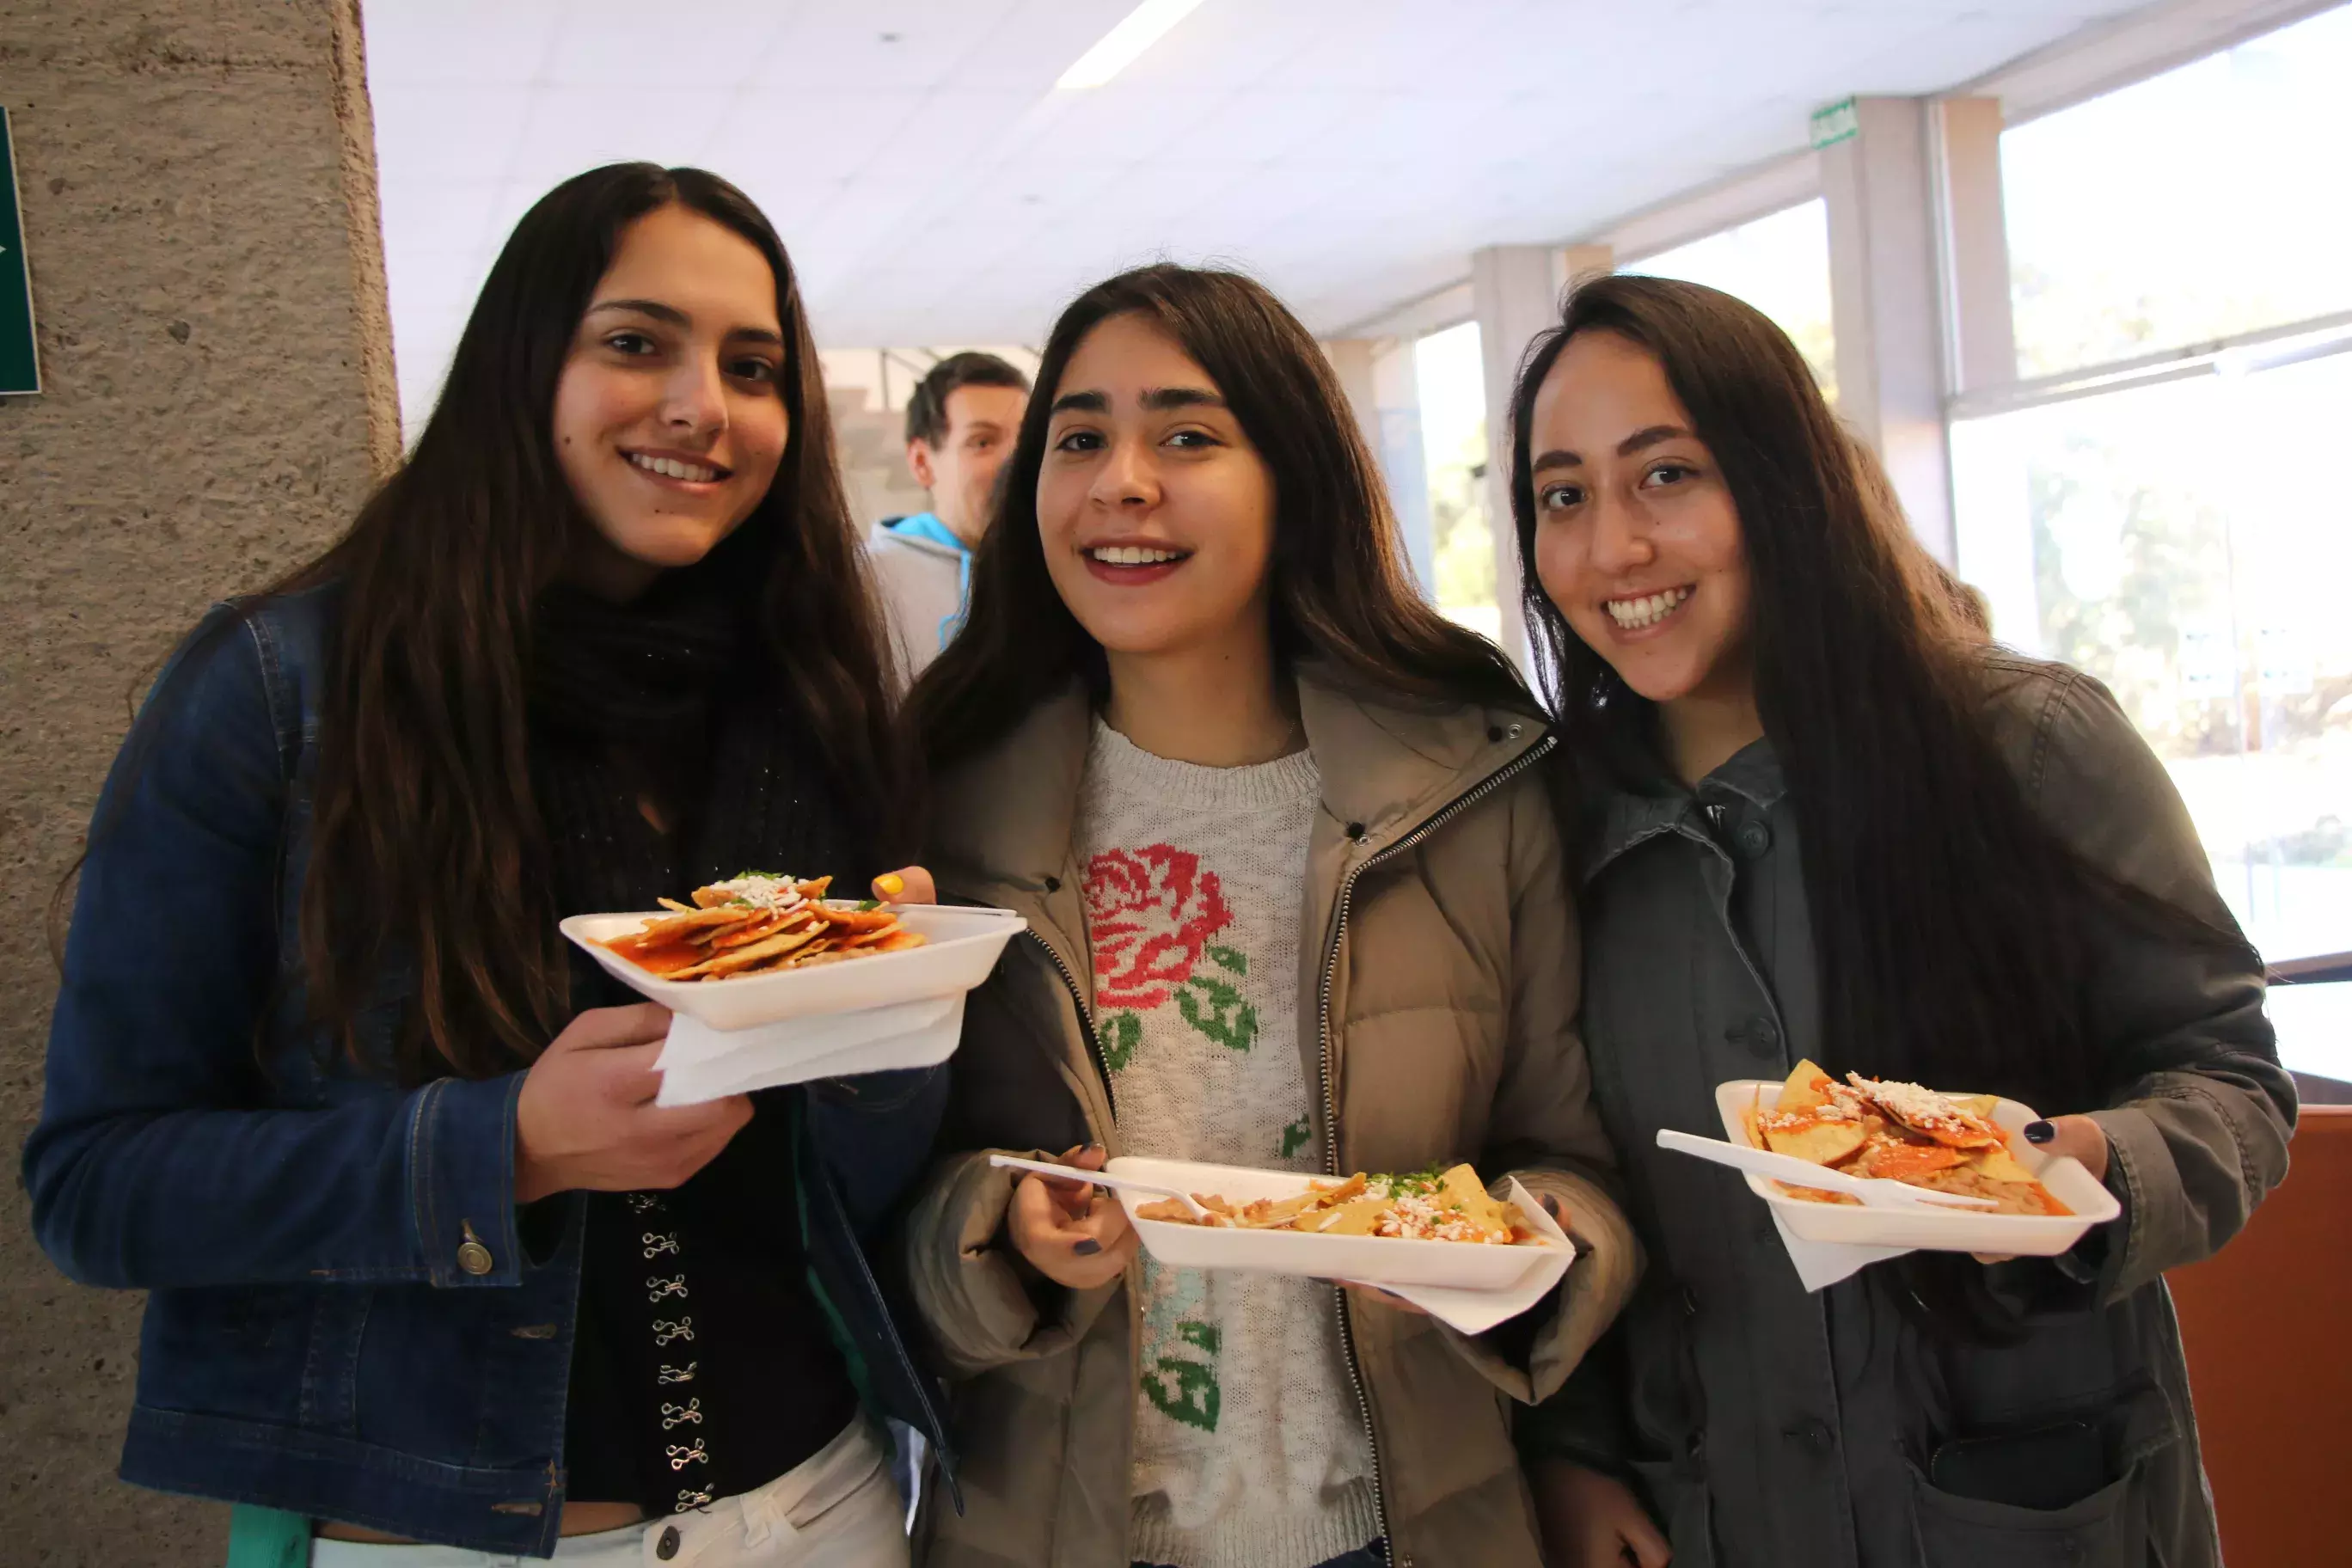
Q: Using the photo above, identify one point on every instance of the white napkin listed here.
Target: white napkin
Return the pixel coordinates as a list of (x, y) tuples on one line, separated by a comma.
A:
[(1475, 1312), (698, 1062), (1824, 1263)]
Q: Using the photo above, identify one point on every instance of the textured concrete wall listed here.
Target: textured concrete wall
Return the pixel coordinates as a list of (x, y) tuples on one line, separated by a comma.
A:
[(199, 201)]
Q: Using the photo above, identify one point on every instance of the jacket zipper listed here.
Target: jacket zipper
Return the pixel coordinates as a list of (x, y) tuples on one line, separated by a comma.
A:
[(1086, 1018), (1460, 803)]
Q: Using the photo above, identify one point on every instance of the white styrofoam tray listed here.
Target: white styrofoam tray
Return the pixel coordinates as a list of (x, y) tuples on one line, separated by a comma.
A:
[(962, 946), (1366, 1259), (1927, 1227)]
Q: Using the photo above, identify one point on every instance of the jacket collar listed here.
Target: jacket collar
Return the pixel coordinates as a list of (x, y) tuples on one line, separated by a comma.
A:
[(1629, 814), (1004, 820)]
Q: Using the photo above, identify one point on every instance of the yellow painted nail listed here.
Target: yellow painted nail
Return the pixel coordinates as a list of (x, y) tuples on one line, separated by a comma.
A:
[(890, 884)]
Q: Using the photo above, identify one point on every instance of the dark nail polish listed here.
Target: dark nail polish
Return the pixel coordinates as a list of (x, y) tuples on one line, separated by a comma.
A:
[(1088, 1247), (2040, 1133)]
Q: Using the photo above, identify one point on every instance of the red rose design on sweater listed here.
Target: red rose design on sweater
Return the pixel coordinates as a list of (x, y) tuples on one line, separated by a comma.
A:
[(1150, 912)]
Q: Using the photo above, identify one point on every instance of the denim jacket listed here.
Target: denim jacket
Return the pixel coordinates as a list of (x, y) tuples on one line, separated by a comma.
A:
[(324, 1333)]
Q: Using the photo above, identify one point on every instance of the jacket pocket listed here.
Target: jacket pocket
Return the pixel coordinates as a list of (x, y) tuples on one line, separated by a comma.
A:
[(2106, 1525), (2107, 1529)]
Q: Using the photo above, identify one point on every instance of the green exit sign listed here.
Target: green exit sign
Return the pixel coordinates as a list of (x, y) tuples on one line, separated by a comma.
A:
[(20, 364), (1837, 123)]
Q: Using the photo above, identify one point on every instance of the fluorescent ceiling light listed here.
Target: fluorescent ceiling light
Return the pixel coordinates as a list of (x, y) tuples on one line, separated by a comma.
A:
[(1141, 28)]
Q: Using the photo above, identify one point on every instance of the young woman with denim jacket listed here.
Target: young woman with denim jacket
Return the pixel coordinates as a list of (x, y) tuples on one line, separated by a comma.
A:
[(427, 1263), (1824, 817)]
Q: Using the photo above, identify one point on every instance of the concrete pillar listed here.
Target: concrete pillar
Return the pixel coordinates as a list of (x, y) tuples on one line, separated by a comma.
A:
[(1884, 282), (1980, 336), (200, 215), (1515, 290), (1579, 262)]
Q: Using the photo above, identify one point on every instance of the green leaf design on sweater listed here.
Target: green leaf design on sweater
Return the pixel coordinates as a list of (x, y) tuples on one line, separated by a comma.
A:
[(1121, 1032), (1185, 1390), (1217, 1010), (1229, 958), (1295, 1136)]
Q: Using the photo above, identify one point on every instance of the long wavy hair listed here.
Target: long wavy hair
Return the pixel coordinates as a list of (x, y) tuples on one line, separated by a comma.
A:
[(428, 846), (1341, 590)]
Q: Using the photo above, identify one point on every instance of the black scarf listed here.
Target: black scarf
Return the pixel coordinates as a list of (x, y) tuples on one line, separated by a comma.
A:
[(672, 699)]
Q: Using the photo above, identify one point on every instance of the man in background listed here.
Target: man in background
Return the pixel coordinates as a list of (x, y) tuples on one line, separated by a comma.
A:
[(960, 423)]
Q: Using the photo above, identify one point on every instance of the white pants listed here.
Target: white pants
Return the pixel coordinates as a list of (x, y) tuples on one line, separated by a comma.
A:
[(837, 1509)]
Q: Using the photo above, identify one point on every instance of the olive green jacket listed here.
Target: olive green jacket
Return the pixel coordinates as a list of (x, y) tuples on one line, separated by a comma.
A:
[(1435, 1003), (1770, 1427)]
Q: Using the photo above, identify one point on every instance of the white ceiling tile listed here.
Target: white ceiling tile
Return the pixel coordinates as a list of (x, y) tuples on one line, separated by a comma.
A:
[(934, 186), (568, 129), (431, 219), (417, 42), (439, 131), (630, 44)]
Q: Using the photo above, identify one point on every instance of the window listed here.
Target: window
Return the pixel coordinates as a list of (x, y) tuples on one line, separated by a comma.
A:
[(2168, 522), (1449, 374), (2176, 541), (2198, 203), (1780, 265)]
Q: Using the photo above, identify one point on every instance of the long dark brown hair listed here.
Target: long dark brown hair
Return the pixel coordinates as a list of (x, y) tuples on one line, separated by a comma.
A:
[(1340, 590), (427, 845), (1945, 914)]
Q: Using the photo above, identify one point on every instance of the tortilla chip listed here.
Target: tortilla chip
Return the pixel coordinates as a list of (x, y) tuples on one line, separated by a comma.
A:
[(1908, 1162), (1982, 1105), (857, 919), (1354, 1218), (1999, 1165), (668, 959), (663, 930), (1823, 1143), (744, 958), (1804, 1088), (746, 933)]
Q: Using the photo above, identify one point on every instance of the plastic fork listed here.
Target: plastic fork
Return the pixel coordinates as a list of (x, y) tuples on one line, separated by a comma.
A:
[(1097, 1179), (1877, 1192)]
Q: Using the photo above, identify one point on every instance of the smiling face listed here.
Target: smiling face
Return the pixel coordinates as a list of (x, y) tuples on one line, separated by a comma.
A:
[(960, 472), (1637, 540), (669, 415), (1155, 511)]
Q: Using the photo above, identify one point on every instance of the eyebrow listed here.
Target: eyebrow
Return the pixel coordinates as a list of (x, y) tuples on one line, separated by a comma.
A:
[(1561, 458), (675, 317), (1162, 398), (1158, 399)]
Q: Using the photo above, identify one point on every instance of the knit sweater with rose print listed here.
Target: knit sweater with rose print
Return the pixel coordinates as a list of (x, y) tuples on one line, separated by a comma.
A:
[(1249, 1450)]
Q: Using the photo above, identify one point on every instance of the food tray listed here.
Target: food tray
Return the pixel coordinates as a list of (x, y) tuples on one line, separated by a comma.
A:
[(1929, 1227), (962, 946), (1366, 1259)]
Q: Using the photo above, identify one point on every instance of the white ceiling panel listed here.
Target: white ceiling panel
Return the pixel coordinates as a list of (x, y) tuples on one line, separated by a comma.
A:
[(934, 186)]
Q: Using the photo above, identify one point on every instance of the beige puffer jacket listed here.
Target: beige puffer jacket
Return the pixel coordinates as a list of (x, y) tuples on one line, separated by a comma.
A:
[(1436, 1009)]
